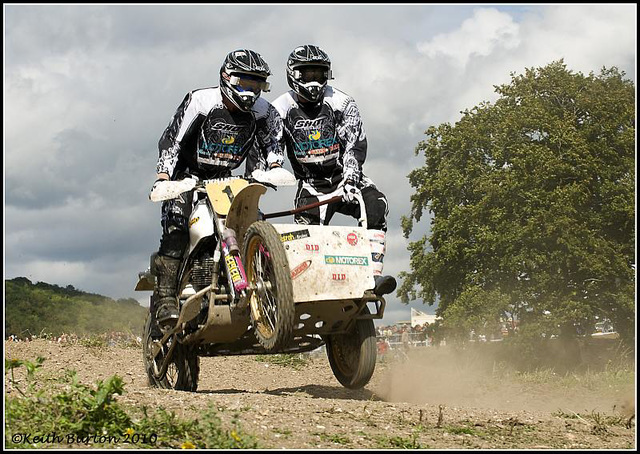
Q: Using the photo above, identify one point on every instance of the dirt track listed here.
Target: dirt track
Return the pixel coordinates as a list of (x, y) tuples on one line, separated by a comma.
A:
[(415, 404)]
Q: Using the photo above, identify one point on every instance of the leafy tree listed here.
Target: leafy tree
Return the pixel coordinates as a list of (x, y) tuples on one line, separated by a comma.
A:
[(532, 204)]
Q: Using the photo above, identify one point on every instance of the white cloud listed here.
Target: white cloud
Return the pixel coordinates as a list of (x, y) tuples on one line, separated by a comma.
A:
[(587, 37), (487, 31)]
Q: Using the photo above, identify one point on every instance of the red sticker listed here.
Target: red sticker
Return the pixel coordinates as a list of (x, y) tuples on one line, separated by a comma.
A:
[(352, 239), (298, 270), (339, 277)]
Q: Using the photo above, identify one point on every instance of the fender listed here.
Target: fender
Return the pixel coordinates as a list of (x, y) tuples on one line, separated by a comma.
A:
[(244, 210)]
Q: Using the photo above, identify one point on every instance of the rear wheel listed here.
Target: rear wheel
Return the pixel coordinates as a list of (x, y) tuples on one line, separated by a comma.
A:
[(271, 301), (184, 368), (352, 355)]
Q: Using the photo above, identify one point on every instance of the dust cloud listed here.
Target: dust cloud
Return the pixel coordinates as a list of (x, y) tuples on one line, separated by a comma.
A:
[(475, 378)]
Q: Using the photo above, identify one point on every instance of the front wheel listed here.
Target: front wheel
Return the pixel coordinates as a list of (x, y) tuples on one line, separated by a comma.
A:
[(184, 368), (352, 355), (271, 298)]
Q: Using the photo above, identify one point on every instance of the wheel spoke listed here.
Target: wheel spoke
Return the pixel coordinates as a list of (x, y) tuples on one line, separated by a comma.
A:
[(271, 311), (263, 272)]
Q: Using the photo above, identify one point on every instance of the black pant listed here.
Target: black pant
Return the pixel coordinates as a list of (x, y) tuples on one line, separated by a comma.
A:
[(175, 225), (375, 205)]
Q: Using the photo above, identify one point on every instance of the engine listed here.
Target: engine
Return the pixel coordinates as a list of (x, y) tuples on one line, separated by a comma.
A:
[(202, 271)]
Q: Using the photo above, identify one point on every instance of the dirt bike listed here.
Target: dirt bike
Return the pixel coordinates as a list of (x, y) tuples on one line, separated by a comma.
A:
[(249, 287)]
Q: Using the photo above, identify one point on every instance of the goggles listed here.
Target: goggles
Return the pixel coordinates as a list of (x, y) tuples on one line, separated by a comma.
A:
[(246, 82), (312, 74)]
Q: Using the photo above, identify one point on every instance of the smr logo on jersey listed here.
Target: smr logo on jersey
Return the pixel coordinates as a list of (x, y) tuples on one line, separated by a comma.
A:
[(226, 127), (307, 124)]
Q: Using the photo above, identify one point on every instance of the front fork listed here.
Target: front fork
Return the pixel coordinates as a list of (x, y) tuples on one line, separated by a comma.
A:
[(235, 270), (236, 275)]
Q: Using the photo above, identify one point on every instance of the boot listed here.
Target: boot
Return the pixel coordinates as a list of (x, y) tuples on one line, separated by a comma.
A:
[(165, 292), (384, 285)]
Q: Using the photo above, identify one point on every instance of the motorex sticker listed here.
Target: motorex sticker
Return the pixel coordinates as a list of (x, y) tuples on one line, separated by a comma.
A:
[(345, 260)]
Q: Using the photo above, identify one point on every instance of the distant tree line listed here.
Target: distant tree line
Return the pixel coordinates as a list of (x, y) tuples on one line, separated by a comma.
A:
[(34, 308)]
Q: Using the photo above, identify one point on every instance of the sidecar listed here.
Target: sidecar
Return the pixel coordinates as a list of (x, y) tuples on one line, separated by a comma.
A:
[(332, 278)]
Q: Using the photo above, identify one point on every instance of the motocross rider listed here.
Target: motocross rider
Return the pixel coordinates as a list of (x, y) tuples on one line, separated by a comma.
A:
[(326, 145), (212, 132)]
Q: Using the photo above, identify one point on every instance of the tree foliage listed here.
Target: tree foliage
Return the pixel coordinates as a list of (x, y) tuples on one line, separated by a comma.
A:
[(33, 308), (531, 197)]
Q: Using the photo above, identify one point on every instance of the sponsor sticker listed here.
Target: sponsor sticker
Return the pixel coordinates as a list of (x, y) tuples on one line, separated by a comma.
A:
[(291, 236), (312, 247), (309, 124), (233, 268), (338, 277), (298, 270), (226, 127), (352, 239), (193, 221), (315, 135), (345, 260)]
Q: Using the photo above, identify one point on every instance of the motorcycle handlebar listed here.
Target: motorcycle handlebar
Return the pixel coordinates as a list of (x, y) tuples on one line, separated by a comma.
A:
[(170, 189)]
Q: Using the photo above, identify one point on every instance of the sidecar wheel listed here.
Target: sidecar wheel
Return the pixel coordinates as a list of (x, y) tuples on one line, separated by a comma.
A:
[(271, 301), (352, 355), (184, 368)]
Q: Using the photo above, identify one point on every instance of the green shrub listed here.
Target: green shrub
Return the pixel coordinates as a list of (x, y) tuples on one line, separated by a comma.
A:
[(71, 413)]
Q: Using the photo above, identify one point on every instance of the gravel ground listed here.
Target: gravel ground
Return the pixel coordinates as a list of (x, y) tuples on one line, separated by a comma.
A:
[(416, 403)]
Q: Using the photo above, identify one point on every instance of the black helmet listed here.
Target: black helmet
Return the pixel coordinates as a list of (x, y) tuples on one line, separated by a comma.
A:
[(243, 76), (308, 70)]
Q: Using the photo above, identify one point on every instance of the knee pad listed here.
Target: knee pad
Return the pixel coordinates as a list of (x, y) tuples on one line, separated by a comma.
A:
[(174, 217), (175, 232), (309, 217), (174, 244), (377, 210)]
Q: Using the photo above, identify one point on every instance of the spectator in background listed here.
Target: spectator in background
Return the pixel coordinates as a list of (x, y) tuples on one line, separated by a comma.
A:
[(383, 346), (404, 338)]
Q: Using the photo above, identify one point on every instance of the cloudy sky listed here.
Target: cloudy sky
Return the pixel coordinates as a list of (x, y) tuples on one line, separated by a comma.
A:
[(89, 89)]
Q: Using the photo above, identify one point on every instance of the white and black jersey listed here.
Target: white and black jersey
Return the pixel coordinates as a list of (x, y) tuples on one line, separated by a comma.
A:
[(207, 140), (325, 143)]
